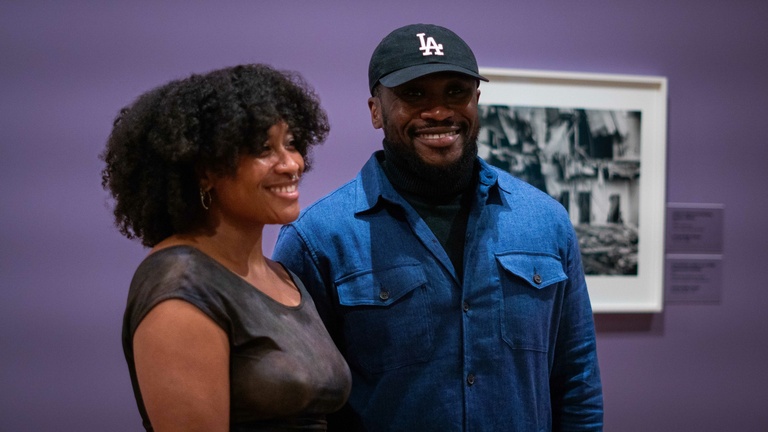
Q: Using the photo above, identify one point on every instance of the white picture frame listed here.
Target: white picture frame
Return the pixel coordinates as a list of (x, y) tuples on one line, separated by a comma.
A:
[(524, 95)]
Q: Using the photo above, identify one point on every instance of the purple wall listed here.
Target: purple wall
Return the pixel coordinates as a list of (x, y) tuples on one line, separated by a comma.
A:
[(67, 67)]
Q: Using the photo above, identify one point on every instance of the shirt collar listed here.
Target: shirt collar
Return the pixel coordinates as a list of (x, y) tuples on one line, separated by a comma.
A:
[(373, 185)]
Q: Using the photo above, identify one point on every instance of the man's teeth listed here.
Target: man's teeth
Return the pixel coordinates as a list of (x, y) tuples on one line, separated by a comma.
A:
[(284, 189), (438, 136)]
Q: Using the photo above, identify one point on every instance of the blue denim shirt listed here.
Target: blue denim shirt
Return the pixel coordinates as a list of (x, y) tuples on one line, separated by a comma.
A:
[(509, 347)]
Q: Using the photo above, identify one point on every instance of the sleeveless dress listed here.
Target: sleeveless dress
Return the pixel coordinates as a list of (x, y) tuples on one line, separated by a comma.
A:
[(285, 371)]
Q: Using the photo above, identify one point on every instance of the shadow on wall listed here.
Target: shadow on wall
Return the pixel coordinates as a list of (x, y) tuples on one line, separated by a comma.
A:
[(647, 323)]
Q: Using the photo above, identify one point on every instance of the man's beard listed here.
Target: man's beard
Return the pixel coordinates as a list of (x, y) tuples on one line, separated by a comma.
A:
[(450, 178)]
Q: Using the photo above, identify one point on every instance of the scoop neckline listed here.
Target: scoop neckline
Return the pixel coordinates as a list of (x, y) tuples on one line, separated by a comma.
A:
[(207, 257)]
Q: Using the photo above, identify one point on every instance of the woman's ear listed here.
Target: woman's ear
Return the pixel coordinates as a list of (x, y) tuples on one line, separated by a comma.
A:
[(374, 104), (205, 179)]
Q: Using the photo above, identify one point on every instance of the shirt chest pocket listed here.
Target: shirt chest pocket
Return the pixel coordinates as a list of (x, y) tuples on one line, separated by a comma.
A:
[(529, 283), (387, 317)]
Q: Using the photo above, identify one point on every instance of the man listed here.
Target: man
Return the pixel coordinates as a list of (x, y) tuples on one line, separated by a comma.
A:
[(454, 290)]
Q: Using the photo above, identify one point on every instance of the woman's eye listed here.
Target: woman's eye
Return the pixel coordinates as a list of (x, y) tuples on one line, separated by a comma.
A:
[(262, 151)]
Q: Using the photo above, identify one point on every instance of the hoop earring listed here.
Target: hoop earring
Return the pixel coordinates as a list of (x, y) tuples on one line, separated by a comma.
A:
[(205, 195)]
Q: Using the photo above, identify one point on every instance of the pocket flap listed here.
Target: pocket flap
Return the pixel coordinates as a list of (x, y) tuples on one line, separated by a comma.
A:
[(380, 287), (538, 269)]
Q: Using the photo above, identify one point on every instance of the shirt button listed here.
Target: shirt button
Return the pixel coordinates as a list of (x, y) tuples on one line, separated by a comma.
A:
[(536, 279), (465, 306), (470, 379), (384, 295)]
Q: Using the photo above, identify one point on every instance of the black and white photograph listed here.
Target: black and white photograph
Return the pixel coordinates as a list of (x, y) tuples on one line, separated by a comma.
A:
[(596, 143), (588, 160)]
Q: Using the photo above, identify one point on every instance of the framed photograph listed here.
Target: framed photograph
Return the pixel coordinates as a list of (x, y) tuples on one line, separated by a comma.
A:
[(597, 144)]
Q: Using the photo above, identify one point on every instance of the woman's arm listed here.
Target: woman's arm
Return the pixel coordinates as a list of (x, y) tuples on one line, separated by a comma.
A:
[(182, 365)]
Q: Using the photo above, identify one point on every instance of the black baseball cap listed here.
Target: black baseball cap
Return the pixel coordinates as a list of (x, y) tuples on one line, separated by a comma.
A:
[(417, 50)]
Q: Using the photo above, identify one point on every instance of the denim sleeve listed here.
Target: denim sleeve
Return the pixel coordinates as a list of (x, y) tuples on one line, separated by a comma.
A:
[(576, 391), (293, 252)]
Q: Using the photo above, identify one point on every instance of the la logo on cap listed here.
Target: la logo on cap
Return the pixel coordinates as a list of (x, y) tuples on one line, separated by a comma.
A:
[(428, 45)]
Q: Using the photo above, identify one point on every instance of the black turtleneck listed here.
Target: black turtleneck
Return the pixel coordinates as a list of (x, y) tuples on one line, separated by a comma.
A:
[(442, 203)]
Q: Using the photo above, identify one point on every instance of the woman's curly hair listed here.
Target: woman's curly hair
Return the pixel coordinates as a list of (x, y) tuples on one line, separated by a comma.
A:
[(164, 140)]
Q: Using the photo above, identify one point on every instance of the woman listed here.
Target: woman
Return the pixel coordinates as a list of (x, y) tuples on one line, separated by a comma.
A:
[(218, 337)]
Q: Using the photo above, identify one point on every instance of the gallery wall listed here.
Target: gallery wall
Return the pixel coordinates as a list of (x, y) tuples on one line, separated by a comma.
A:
[(66, 68)]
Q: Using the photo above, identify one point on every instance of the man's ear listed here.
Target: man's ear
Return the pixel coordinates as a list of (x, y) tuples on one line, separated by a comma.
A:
[(374, 104)]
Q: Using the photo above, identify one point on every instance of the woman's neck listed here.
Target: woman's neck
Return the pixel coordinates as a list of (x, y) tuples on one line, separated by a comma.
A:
[(237, 249)]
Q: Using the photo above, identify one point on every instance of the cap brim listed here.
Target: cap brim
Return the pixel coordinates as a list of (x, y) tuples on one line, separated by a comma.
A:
[(402, 76)]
